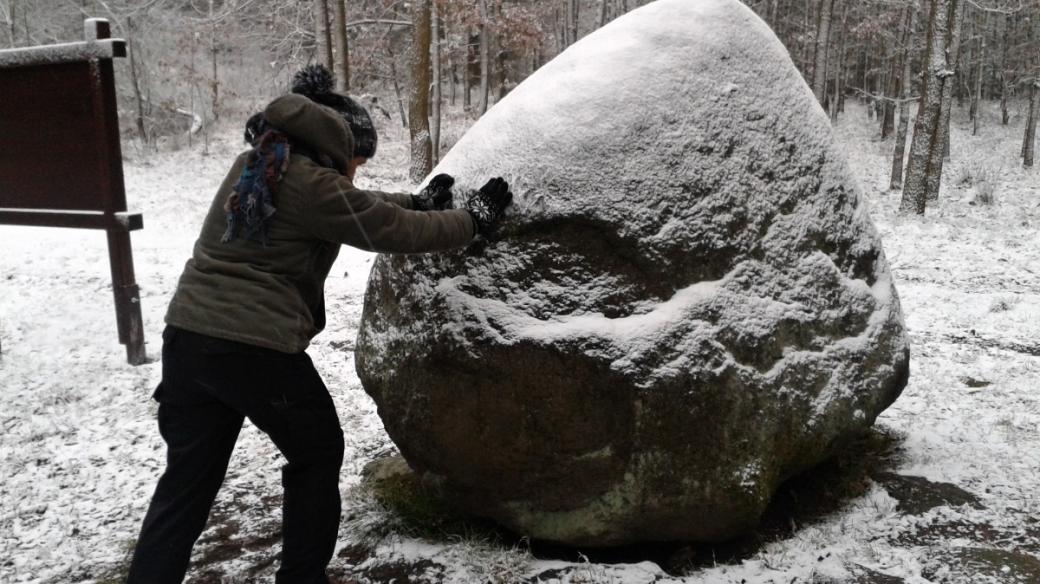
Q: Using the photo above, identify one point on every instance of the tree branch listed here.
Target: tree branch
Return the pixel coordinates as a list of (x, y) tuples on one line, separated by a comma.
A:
[(378, 21), (879, 97), (997, 10)]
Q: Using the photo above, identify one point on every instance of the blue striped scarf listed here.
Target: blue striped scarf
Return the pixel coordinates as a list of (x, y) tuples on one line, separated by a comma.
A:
[(251, 202)]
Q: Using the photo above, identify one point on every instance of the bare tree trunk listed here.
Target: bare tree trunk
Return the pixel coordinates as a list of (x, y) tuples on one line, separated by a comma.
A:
[(568, 18), (215, 81), (323, 34), (467, 73), (603, 12), (572, 21), (979, 73), (342, 46), (25, 29), (839, 77), (823, 29), (135, 80), (435, 51), (11, 19), (419, 98), (888, 121), (967, 68), (1029, 140), (1004, 82), (807, 46), (965, 64), (449, 52), (499, 70), (844, 81), (453, 89), (904, 105), (191, 91), (925, 164), (865, 58), (830, 63), (559, 30), (485, 58), (954, 54), (397, 86), (453, 77)]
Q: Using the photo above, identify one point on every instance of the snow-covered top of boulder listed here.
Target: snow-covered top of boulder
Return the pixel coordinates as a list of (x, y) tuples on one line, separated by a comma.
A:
[(678, 197), (603, 114)]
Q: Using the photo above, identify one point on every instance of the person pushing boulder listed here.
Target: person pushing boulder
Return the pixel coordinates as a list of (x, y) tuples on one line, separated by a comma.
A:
[(250, 300)]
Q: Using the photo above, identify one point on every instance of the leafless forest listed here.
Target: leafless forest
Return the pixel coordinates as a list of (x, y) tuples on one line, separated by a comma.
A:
[(194, 63)]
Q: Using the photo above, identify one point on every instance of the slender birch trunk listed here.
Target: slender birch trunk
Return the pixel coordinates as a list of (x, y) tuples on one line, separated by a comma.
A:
[(323, 34), (899, 150)]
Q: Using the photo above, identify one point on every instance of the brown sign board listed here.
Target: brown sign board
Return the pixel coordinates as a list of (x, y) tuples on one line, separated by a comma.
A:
[(62, 166)]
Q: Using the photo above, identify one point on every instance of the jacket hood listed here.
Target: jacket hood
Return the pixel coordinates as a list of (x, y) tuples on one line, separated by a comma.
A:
[(318, 127)]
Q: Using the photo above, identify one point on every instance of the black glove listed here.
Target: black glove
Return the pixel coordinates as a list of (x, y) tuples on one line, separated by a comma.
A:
[(487, 204), (436, 196)]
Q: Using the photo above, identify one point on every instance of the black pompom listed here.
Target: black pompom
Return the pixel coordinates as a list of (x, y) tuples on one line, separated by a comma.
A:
[(313, 80), (316, 83)]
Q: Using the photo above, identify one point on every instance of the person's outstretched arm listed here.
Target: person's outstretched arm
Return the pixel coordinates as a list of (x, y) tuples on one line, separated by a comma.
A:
[(341, 213)]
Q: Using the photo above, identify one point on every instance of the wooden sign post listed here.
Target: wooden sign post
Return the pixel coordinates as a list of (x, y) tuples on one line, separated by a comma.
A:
[(62, 164)]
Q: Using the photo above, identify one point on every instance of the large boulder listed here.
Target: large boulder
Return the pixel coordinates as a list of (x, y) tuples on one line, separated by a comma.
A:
[(687, 305)]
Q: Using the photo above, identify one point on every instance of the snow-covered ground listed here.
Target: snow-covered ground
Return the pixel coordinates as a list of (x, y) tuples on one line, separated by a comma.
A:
[(80, 452)]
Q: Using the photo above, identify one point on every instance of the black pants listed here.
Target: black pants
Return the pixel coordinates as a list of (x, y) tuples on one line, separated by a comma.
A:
[(208, 387)]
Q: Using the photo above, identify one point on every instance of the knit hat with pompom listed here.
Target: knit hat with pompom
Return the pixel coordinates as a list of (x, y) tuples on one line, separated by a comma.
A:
[(316, 82)]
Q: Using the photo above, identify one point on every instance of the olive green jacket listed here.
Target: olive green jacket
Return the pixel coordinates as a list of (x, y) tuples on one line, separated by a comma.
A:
[(272, 295)]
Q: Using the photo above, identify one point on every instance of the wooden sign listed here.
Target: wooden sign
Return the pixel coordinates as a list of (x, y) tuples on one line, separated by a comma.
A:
[(62, 166)]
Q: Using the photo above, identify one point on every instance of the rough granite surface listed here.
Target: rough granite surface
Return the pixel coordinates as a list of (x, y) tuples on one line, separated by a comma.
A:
[(686, 305)]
